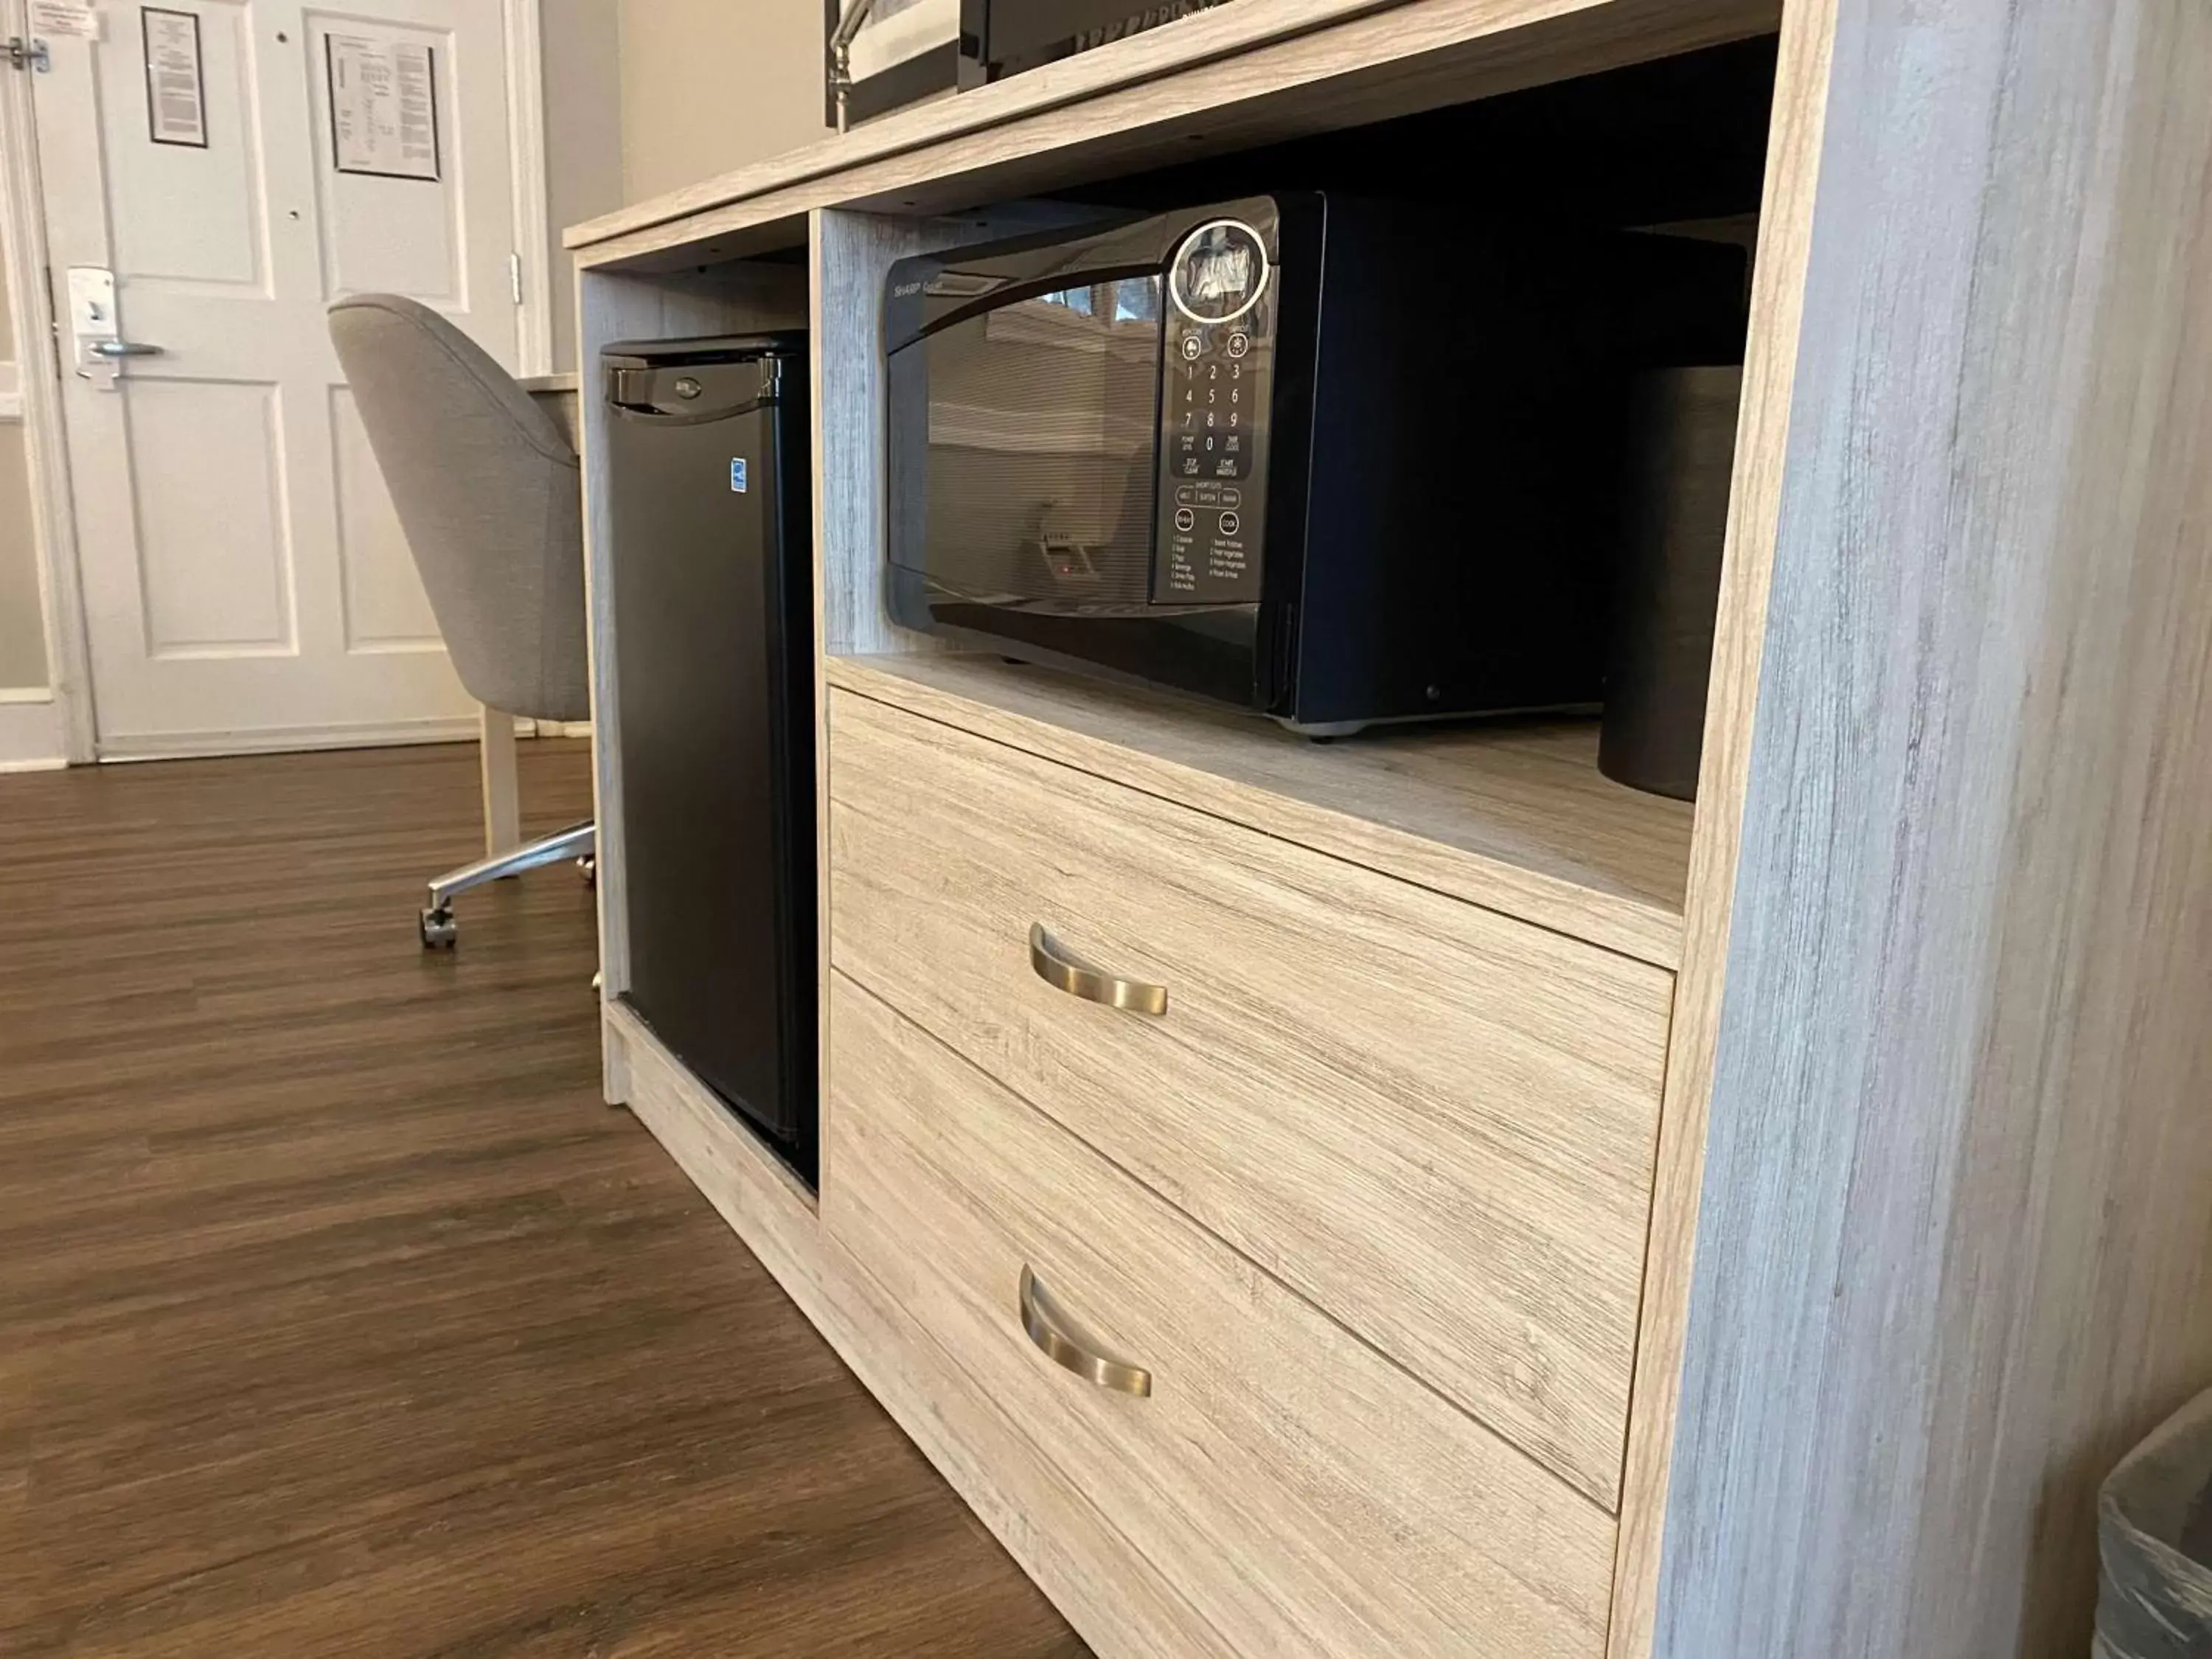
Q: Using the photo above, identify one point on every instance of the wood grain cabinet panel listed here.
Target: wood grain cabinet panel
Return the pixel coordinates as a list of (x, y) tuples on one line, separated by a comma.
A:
[(1436, 1123), (1303, 1494)]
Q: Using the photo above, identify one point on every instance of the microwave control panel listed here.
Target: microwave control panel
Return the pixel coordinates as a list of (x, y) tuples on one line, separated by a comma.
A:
[(1216, 374)]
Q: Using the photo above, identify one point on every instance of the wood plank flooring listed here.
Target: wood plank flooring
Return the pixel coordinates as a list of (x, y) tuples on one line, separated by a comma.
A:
[(338, 1317)]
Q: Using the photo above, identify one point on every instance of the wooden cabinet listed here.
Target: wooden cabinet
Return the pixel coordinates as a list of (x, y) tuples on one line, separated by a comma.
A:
[(1303, 1494), (1790, 1208)]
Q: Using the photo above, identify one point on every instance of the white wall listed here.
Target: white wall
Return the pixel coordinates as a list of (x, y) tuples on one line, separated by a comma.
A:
[(710, 85), (580, 41), (22, 626)]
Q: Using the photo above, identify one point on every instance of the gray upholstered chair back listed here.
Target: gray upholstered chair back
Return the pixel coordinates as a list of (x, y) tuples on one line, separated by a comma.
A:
[(489, 494)]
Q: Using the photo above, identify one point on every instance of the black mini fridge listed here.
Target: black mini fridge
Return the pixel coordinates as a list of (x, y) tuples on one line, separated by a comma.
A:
[(711, 514)]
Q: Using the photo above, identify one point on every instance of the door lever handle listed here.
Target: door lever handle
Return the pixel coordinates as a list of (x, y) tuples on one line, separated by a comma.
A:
[(121, 348)]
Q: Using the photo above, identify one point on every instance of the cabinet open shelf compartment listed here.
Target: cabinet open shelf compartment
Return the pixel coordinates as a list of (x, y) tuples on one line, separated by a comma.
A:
[(1512, 815)]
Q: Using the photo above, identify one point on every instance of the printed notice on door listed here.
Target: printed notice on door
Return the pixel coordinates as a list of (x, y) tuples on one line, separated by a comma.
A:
[(384, 106), (74, 17), (176, 97)]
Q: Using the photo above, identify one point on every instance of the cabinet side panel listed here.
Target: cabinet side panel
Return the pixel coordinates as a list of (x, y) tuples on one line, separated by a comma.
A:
[(1954, 1251), (1755, 505), (852, 251)]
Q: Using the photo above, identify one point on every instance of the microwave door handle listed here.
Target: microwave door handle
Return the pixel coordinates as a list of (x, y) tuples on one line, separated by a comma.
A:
[(1017, 289)]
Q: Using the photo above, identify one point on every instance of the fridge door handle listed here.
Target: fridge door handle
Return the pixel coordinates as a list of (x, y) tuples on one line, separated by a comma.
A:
[(656, 416), (643, 394)]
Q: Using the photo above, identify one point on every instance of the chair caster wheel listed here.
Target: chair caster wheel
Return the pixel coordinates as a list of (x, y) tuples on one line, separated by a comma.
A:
[(588, 867), (438, 930)]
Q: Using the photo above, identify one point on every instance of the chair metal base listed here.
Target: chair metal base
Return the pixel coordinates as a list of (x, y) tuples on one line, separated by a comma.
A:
[(438, 928)]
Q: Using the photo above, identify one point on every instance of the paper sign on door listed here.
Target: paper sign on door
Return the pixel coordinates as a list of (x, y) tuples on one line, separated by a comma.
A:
[(384, 106), (176, 100), (60, 17)]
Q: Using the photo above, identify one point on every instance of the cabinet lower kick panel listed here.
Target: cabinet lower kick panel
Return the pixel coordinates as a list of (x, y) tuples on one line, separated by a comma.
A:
[(1299, 1491)]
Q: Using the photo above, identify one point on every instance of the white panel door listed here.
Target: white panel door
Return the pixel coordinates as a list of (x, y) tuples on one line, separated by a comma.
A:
[(239, 164)]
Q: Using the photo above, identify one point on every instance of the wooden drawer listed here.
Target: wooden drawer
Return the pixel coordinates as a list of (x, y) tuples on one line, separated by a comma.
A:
[(1435, 1121), (1303, 1494)]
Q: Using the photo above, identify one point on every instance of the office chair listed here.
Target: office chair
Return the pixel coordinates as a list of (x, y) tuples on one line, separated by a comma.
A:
[(489, 492)]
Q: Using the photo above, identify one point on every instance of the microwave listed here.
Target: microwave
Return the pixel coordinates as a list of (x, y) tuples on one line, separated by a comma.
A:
[(1333, 460)]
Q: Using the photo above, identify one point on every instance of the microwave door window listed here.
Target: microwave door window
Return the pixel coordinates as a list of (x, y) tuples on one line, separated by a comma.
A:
[(1042, 417)]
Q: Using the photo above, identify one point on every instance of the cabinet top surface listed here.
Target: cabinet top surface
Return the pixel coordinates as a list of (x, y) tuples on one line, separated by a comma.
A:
[(1511, 816), (1216, 33), (1241, 73)]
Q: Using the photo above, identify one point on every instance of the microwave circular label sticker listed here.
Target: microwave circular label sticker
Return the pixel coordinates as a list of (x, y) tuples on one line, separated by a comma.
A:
[(1219, 272)]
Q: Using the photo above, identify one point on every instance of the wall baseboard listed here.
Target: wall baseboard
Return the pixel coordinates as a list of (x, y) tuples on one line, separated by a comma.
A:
[(189, 745), (31, 736), (276, 740)]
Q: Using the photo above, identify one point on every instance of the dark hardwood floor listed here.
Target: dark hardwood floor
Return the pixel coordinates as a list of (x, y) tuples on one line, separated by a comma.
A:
[(337, 1317)]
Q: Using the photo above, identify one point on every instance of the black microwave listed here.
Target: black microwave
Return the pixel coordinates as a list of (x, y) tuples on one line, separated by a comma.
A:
[(1337, 461)]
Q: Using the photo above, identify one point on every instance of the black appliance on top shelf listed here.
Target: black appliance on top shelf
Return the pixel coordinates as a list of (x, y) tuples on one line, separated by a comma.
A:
[(1001, 38), (1334, 460), (905, 50), (711, 510)]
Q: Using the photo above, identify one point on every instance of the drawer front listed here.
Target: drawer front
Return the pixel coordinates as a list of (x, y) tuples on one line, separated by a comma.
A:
[(1301, 1492), (1436, 1123)]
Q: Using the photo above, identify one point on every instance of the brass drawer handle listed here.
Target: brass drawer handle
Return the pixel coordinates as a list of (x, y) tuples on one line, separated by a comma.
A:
[(1057, 968), (1064, 1345)]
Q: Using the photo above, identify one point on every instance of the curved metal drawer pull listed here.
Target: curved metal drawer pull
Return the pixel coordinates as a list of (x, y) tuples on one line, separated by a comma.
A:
[(1064, 1345), (1057, 968)]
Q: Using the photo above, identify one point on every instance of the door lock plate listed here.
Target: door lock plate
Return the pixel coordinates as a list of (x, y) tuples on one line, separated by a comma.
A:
[(95, 332)]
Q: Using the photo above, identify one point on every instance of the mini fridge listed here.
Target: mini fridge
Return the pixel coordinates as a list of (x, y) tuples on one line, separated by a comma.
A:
[(711, 514)]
